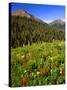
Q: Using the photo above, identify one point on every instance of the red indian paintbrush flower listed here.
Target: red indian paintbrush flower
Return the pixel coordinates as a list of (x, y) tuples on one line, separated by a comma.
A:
[(43, 70), (24, 81)]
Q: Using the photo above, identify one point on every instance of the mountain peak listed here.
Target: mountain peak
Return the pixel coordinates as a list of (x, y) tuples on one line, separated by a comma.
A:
[(59, 24), (57, 21), (21, 13)]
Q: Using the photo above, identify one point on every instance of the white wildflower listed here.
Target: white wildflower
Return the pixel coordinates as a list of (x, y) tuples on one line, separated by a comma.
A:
[(25, 71), (60, 72), (38, 73), (23, 56)]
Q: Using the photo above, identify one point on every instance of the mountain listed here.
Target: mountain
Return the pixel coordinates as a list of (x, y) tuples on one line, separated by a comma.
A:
[(27, 29), (21, 13), (24, 13), (58, 24)]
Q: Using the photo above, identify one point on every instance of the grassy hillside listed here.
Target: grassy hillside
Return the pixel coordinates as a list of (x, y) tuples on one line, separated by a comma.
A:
[(38, 64)]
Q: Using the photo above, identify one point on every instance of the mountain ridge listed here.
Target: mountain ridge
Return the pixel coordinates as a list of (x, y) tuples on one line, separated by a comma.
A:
[(58, 24), (21, 13), (24, 13)]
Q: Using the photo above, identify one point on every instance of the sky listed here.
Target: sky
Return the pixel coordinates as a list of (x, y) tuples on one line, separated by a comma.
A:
[(47, 13)]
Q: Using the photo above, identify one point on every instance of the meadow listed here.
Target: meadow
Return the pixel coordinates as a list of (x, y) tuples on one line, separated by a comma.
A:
[(38, 64)]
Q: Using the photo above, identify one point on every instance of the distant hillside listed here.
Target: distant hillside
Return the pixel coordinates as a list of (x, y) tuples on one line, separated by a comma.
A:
[(27, 29), (59, 24)]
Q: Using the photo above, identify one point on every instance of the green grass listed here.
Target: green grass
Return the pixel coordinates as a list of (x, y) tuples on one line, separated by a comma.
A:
[(38, 64)]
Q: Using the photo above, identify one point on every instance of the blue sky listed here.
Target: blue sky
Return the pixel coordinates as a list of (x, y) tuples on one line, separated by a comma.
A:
[(47, 13)]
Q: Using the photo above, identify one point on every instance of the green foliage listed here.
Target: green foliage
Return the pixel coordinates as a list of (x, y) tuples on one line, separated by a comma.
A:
[(25, 31), (34, 65), (60, 80)]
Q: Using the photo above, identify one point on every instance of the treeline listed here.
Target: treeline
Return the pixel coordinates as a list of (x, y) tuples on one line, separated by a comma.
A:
[(26, 31)]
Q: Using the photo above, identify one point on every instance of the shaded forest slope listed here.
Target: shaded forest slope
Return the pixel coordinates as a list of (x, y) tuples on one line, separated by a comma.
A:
[(27, 29)]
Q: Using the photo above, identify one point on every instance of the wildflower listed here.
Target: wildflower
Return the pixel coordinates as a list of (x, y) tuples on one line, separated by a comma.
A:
[(25, 71), (38, 73), (23, 56), (62, 71), (51, 70), (24, 81), (51, 58), (43, 70), (53, 66)]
